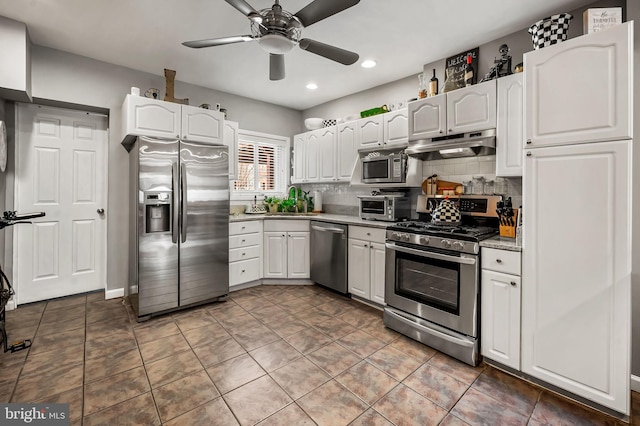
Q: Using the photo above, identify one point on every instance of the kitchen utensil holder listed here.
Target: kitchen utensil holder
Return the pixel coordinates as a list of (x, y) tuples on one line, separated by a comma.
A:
[(510, 230)]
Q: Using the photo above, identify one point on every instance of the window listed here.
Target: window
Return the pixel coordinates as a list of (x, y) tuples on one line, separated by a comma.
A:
[(262, 165)]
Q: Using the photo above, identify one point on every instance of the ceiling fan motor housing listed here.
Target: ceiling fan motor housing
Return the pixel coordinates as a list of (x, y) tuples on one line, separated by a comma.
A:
[(279, 31)]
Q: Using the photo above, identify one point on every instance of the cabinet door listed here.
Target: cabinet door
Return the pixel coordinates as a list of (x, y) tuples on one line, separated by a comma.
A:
[(580, 90), (396, 127), (576, 270), (275, 255), (231, 140), (298, 255), (151, 117), (202, 125), (312, 154), (377, 256), (510, 128), (370, 131), (427, 117), (327, 157), (359, 270), (500, 320), (472, 108), (299, 158), (346, 151)]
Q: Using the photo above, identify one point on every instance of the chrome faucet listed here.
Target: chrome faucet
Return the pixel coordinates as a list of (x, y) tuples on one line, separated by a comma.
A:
[(295, 192)]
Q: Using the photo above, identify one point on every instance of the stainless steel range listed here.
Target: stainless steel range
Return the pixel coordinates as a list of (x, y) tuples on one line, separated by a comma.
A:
[(432, 282)]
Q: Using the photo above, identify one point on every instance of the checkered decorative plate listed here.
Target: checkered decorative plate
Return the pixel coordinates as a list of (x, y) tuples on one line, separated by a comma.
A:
[(551, 30)]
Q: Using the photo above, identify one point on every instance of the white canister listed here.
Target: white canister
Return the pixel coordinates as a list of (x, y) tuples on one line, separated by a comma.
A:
[(135, 91), (317, 201)]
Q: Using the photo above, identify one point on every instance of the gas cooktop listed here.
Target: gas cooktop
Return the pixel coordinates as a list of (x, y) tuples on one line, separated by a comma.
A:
[(426, 228), (425, 235)]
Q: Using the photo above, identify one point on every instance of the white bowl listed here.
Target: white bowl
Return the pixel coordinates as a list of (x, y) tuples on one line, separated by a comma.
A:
[(313, 123)]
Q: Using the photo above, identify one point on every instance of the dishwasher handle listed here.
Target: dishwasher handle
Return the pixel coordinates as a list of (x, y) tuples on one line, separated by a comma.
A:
[(332, 230)]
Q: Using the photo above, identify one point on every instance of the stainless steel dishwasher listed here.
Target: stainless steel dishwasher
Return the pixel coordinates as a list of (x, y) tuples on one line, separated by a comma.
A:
[(329, 255)]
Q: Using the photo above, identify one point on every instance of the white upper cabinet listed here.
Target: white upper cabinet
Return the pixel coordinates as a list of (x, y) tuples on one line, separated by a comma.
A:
[(510, 128), (580, 90), (15, 67), (346, 150), (428, 117), (327, 154), (230, 139), (396, 127), (313, 149), (472, 108), (371, 131), (201, 125), (151, 117), (299, 158)]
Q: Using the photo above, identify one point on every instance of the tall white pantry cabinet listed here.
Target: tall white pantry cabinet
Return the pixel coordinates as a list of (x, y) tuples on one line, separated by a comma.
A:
[(576, 279)]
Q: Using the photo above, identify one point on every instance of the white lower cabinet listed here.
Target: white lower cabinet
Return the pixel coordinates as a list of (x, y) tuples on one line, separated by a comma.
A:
[(245, 252), (286, 249), (366, 263)]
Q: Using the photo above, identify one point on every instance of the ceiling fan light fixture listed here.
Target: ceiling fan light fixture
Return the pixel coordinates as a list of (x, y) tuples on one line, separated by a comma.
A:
[(276, 44), (369, 63), (312, 86), (255, 17)]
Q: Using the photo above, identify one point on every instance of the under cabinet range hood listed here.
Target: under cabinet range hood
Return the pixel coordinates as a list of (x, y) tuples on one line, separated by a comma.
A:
[(454, 146)]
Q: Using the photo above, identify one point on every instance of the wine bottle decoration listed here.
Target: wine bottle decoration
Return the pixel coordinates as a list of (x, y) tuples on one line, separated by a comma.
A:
[(433, 84), (469, 72)]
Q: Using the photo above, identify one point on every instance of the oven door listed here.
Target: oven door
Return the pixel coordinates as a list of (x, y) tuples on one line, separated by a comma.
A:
[(438, 287)]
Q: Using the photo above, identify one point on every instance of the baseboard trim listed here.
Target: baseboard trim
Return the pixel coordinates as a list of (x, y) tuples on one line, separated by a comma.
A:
[(114, 294), (635, 383), (244, 285)]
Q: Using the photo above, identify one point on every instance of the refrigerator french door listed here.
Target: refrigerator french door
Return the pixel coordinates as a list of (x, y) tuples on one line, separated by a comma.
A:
[(180, 196)]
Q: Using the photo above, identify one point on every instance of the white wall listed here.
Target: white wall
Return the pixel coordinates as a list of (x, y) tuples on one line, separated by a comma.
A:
[(64, 77)]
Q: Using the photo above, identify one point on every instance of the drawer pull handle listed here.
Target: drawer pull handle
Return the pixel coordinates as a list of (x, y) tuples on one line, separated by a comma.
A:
[(244, 241), (368, 233), (244, 254), (243, 271), (244, 227), (366, 246), (499, 260), (513, 283)]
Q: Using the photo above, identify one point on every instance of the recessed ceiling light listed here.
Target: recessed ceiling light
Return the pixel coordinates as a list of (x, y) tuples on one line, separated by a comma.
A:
[(369, 63), (312, 86)]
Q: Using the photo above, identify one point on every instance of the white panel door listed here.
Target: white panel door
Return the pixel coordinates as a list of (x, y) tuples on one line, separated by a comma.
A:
[(371, 131), (359, 269), (327, 157), (580, 90), (510, 128), (472, 108), (298, 265), (427, 117), (230, 139), (576, 290), (275, 254), (377, 257), (61, 170), (500, 321), (312, 156), (346, 151), (202, 125), (396, 127), (299, 158)]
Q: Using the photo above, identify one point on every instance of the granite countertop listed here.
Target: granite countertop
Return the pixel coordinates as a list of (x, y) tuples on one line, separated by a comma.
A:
[(324, 217), (501, 243)]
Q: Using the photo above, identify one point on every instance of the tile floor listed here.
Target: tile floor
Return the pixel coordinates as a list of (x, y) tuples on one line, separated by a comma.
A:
[(270, 355)]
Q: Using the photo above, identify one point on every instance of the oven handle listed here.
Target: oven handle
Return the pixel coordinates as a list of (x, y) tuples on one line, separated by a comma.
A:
[(432, 255)]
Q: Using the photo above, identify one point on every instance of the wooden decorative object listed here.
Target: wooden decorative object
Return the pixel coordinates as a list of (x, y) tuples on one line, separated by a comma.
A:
[(170, 77)]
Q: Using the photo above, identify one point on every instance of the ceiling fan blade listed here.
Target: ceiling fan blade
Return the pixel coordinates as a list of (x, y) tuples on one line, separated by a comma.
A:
[(345, 57), (276, 67), (245, 8), (197, 44), (321, 9)]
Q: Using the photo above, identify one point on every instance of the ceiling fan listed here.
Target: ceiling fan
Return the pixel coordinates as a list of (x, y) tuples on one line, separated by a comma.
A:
[(278, 31)]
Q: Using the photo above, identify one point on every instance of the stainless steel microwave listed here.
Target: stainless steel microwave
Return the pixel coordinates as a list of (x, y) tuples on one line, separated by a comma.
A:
[(388, 166), (390, 208)]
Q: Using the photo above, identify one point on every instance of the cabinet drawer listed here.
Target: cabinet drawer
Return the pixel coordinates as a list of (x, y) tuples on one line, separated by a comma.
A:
[(377, 235), (238, 228), (244, 253), (501, 260), (246, 240), (286, 225), (244, 271)]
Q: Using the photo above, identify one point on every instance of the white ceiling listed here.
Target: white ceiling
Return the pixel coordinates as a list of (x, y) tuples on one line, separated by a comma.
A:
[(401, 35)]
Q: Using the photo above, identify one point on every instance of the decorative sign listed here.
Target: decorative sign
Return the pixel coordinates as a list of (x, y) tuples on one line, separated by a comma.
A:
[(597, 19), (454, 69)]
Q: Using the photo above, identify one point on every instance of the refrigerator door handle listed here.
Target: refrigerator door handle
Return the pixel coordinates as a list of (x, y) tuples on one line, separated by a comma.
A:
[(175, 207), (183, 201)]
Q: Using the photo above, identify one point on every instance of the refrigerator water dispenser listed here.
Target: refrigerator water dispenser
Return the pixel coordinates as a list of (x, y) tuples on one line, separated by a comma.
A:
[(157, 212)]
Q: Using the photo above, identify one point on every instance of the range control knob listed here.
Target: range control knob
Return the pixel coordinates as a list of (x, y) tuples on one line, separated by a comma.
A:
[(424, 240), (446, 243), (395, 235), (405, 237), (458, 245)]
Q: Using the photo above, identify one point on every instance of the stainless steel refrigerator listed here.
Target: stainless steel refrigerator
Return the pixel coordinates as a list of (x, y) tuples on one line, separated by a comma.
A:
[(179, 245)]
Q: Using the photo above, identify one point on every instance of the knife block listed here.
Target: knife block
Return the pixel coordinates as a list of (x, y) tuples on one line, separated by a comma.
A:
[(510, 230)]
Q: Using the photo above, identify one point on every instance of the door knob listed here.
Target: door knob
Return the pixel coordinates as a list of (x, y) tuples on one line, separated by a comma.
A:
[(100, 211)]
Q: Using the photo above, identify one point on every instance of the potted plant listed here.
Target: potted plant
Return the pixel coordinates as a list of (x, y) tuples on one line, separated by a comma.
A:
[(273, 203)]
